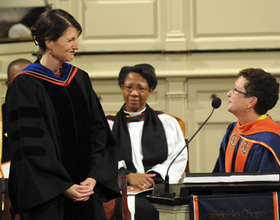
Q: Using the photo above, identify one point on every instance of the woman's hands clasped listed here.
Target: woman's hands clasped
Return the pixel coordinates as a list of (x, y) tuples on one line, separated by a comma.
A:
[(82, 192)]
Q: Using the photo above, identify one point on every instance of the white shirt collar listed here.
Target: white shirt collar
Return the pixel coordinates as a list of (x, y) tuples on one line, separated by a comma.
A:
[(134, 113)]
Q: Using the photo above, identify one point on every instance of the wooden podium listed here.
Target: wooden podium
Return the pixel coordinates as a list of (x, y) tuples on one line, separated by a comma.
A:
[(176, 206)]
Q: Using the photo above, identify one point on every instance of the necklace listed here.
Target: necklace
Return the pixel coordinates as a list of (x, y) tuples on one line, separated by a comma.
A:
[(59, 71)]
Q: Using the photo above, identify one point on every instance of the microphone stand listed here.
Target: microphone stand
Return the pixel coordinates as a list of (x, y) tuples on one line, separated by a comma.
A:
[(167, 193)]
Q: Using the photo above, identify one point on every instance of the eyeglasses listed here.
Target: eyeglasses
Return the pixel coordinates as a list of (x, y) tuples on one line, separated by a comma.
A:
[(244, 93), (138, 89)]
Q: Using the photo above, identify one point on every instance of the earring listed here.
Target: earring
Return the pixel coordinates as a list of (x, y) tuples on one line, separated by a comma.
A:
[(50, 52), (247, 109)]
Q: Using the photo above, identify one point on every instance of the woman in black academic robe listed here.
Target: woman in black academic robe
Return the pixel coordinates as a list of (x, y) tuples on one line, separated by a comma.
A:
[(63, 163)]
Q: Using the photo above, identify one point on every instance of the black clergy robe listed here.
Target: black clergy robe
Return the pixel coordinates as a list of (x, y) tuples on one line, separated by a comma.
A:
[(154, 147), (58, 136)]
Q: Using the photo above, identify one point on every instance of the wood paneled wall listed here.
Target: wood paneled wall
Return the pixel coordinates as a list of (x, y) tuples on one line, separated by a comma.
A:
[(197, 48)]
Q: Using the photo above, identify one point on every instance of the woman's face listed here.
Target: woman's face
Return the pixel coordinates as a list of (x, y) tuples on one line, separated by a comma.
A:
[(135, 92), (64, 48), (238, 102)]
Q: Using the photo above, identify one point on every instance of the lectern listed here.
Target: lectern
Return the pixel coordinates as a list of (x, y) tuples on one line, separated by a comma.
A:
[(209, 186)]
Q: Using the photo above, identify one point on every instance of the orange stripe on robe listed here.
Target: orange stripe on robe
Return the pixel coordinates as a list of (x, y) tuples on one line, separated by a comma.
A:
[(245, 144)]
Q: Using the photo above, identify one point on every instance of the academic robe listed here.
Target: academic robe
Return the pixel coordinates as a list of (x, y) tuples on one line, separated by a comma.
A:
[(252, 147), (5, 147), (59, 136)]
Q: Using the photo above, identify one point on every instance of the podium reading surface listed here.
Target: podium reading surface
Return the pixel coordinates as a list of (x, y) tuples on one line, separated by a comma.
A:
[(215, 184)]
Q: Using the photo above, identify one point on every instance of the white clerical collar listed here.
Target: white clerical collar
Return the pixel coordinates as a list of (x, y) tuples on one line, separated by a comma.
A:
[(134, 113)]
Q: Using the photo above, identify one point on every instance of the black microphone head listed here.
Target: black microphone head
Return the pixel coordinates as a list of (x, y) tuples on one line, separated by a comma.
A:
[(216, 102)]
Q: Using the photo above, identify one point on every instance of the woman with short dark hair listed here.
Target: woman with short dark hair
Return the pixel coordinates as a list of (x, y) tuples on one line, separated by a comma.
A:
[(147, 140), (252, 144)]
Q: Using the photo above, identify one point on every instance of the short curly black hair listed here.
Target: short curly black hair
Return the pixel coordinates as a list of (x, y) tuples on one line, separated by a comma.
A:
[(145, 70), (264, 86)]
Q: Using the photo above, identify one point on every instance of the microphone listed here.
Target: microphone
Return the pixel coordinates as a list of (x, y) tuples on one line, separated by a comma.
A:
[(216, 103)]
